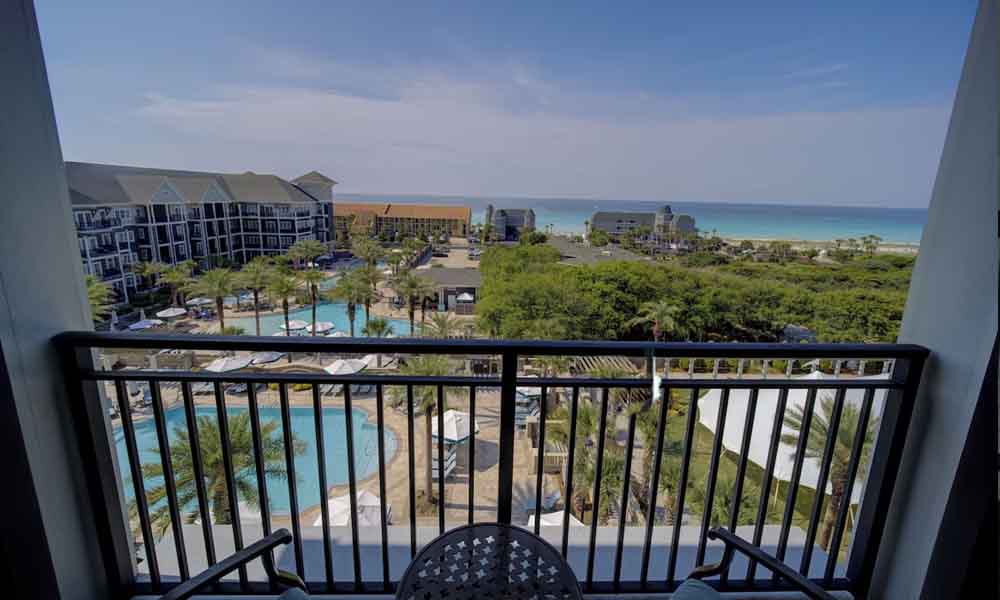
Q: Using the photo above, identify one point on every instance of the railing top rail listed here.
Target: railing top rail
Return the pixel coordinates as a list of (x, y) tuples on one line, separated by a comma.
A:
[(83, 339)]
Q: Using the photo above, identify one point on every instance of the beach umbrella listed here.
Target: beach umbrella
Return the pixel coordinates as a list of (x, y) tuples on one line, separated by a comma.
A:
[(262, 358), (199, 301), (171, 313), (228, 363), (145, 324), (456, 427), (295, 325), (369, 513), (321, 327), (345, 366), (554, 519)]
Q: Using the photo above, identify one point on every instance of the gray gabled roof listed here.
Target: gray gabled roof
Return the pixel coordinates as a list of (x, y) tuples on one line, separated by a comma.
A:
[(453, 277), (314, 177), (100, 184)]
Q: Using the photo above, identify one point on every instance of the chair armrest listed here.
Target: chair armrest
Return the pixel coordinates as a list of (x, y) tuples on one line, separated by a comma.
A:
[(261, 548), (733, 542)]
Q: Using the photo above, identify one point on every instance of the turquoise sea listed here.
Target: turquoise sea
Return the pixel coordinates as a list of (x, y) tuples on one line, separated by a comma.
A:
[(758, 221)]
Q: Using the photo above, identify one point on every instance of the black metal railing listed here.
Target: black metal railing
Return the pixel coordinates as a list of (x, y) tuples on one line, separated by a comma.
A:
[(643, 552)]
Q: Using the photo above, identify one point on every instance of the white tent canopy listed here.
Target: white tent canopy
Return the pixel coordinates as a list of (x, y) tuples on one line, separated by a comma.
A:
[(229, 363), (345, 366), (321, 327), (555, 519), (760, 437), (295, 325), (369, 513), (456, 427)]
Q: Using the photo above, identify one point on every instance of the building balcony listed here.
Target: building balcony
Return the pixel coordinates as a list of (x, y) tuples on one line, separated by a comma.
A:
[(710, 425), (99, 224), (99, 251)]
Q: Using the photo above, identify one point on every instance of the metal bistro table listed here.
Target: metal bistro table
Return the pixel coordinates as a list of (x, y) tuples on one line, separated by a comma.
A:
[(488, 561)]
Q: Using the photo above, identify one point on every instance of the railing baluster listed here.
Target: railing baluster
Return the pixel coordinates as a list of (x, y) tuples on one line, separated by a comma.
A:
[(258, 455), (602, 430), (353, 485), (713, 473), (741, 469), (793, 483), (508, 399), (293, 494), (765, 488), (138, 485), (380, 426), (540, 464), (682, 484), (824, 474), (472, 453), (227, 464), (567, 503), (857, 449), (169, 483), (199, 472), (623, 510), (324, 507), (440, 457), (410, 459), (654, 485)]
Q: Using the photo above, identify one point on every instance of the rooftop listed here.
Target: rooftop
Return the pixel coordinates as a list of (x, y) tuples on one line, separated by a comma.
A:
[(404, 211)]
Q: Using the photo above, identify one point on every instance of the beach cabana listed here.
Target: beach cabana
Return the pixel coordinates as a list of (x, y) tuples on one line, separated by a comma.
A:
[(228, 363), (369, 512), (554, 519)]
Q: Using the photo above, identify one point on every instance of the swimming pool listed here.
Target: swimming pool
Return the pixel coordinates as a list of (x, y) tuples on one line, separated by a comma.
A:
[(306, 465), (335, 312)]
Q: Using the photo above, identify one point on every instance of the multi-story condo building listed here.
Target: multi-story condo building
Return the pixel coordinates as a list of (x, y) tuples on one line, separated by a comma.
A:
[(662, 224), (394, 220), (510, 223), (126, 215)]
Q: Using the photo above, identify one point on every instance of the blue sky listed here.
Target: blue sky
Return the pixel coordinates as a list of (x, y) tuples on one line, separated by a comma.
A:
[(790, 102)]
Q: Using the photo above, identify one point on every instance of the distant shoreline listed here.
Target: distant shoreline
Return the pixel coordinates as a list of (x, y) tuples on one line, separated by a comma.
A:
[(886, 247)]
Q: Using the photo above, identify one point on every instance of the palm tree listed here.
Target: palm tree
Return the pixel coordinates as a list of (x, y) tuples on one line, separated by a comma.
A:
[(254, 277), (350, 290), (377, 328), (216, 284), (442, 325), (311, 280), (819, 429), (213, 465), (661, 314), (371, 276), (149, 270), (176, 278), (99, 297), (306, 251), (367, 250), (283, 286), (425, 400), (394, 259), (411, 288)]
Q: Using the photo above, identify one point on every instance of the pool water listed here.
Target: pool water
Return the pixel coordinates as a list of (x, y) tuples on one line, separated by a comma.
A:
[(306, 464), (335, 312)]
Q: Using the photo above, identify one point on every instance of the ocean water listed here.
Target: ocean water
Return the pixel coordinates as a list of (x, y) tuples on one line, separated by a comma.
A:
[(757, 221)]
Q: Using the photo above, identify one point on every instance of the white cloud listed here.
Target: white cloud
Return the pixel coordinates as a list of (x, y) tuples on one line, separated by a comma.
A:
[(507, 131)]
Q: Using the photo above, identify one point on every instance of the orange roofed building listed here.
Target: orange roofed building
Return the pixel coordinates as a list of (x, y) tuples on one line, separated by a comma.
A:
[(388, 220)]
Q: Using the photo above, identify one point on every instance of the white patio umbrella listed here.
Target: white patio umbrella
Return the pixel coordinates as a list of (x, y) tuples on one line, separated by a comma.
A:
[(295, 325), (369, 514), (263, 358), (321, 327), (465, 297), (145, 324), (228, 363), (456, 427), (171, 313), (345, 366), (555, 519), (199, 301)]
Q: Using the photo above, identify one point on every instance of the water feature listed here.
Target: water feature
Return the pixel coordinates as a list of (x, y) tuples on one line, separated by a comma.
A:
[(335, 312)]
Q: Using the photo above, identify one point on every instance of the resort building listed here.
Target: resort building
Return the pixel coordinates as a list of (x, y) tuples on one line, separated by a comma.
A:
[(127, 215), (457, 289), (662, 224), (393, 221), (510, 223)]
